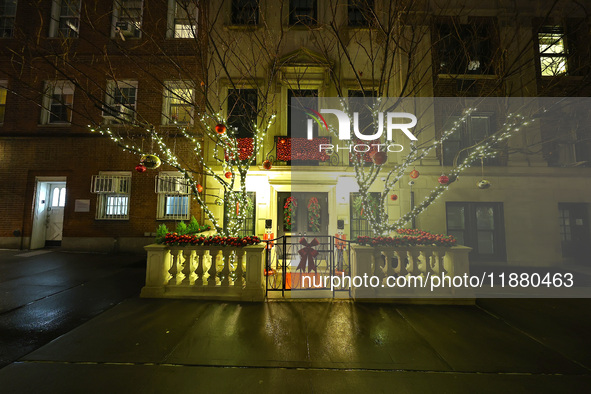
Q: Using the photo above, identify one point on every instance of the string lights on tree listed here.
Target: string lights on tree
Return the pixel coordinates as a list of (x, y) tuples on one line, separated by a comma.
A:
[(226, 151)]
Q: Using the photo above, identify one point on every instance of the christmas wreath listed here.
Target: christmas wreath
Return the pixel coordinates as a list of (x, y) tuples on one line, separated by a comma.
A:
[(289, 213), (314, 215)]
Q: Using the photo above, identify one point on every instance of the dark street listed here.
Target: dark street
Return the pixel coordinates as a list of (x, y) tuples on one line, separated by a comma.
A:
[(47, 293), (144, 345)]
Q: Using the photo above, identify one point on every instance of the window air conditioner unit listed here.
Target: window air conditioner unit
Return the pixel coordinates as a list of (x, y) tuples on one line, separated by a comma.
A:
[(126, 28), (117, 112)]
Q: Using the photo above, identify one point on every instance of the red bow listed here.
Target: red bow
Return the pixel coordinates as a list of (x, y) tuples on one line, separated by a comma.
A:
[(307, 254)]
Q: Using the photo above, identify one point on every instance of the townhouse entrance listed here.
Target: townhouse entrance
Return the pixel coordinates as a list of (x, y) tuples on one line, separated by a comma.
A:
[(302, 212), (303, 265), (48, 213)]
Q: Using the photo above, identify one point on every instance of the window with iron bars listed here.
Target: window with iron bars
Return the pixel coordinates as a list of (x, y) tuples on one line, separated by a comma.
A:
[(112, 189), (249, 224), (174, 196), (359, 219)]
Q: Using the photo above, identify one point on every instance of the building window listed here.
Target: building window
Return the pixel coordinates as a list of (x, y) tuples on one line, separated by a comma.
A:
[(120, 99), (359, 218), (303, 12), (178, 103), (127, 18), (245, 12), (249, 224), (476, 128), (465, 48), (360, 12), (57, 102), (182, 18), (552, 51), (296, 115), (174, 196), (58, 198), (112, 189), (242, 111), (479, 226), (65, 18), (3, 94), (7, 17)]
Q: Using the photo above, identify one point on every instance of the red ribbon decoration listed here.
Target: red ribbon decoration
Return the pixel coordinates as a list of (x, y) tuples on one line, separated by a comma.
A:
[(308, 254)]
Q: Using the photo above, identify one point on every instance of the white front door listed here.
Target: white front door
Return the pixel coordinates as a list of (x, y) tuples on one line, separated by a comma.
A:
[(55, 212)]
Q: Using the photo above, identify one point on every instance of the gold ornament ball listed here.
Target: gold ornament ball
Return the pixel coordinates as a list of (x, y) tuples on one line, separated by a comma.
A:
[(151, 161)]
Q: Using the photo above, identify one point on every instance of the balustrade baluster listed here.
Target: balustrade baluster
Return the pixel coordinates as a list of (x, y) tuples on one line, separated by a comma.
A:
[(199, 256), (175, 277), (226, 253), (402, 261), (239, 271), (211, 280), (189, 256)]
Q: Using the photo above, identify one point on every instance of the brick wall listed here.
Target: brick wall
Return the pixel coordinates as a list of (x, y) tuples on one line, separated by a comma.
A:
[(77, 158)]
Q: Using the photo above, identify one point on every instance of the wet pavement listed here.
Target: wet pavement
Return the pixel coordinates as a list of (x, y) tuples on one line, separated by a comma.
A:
[(46, 293), (161, 346)]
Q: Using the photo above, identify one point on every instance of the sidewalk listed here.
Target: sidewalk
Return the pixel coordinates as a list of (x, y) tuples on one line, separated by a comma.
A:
[(46, 293), (161, 346), (102, 345)]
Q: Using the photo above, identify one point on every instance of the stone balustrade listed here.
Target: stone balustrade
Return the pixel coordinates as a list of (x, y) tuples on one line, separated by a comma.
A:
[(206, 272), (416, 261)]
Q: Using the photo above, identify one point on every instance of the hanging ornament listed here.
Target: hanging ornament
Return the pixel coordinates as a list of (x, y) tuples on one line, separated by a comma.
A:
[(150, 161), (199, 188), (414, 174), (379, 158), (267, 165), (220, 128), (443, 179), (483, 184), (393, 197), (140, 168), (228, 174)]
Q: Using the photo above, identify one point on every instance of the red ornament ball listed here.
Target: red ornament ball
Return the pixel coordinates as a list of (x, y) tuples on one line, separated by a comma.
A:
[(267, 165), (220, 128), (379, 158), (140, 168), (228, 174), (443, 179), (414, 174), (199, 188), (393, 197)]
